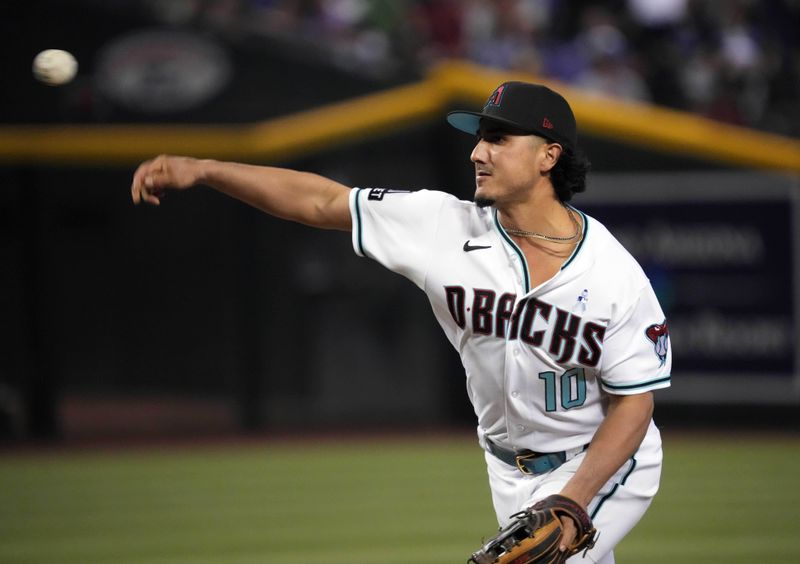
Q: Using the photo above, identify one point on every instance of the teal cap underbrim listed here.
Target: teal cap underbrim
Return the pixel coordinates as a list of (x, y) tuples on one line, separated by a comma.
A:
[(470, 122)]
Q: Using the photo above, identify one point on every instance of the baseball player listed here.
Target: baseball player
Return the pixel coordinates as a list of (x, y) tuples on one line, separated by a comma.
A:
[(560, 333)]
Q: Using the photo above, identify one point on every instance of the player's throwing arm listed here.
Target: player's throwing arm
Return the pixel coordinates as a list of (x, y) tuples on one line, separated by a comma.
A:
[(297, 196)]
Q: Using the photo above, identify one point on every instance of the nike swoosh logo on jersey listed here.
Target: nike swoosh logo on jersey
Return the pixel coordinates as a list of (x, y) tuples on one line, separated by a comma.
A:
[(468, 247)]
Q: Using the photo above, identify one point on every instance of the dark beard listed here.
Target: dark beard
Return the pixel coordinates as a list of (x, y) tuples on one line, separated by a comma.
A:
[(484, 202)]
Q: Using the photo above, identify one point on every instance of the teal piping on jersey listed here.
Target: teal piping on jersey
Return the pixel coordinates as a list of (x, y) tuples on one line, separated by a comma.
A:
[(358, 223), (614, 489), (580, 243), (522, 259), (638, 385)]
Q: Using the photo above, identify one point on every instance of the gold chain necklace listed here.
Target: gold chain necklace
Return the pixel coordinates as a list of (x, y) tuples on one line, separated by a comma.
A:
[(561, 240)]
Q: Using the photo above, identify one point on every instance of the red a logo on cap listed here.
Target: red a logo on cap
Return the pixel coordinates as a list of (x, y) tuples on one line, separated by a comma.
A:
[(494, 99), (547, 124)]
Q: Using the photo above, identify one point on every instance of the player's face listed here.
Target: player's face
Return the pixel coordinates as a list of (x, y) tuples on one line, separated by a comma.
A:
[(507, 164)]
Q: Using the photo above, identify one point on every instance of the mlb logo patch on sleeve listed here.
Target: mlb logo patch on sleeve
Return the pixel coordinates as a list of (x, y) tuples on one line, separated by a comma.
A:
[(379, 193)]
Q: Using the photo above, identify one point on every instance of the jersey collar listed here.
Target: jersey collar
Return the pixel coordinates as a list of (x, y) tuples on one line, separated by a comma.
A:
[(584, 234), (523, 261)]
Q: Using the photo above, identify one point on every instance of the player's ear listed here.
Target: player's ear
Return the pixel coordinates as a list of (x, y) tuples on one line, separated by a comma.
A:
[(552, 152)]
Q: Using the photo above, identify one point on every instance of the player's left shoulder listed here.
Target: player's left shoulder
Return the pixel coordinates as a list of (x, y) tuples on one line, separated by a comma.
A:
[(607, 252), (605, 269)]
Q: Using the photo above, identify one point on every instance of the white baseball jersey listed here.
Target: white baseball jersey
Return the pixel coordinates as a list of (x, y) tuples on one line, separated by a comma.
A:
[(537, 360)]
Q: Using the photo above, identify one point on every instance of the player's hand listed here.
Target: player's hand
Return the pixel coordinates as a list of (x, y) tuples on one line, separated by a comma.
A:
[(154, 177), (568, 536), (569, 526)]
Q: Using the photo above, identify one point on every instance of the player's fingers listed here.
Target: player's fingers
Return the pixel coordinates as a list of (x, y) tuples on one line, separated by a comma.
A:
[(137, 184), (139, 193), (151, 195), (151, 180), (135, 196), (568, 534), (151, 199), (154, 181)]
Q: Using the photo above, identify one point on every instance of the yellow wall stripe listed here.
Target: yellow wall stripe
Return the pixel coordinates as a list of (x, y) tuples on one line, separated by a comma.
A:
[(382, 113)]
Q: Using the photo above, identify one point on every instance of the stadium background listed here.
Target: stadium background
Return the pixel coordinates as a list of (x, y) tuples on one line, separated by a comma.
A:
[(140, 331)]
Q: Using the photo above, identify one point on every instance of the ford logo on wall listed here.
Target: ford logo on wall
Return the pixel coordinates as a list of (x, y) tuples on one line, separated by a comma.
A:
[(162, 71)]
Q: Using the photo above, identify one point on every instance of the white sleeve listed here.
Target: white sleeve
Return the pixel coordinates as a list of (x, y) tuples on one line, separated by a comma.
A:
[(396, 228), (637, 354)]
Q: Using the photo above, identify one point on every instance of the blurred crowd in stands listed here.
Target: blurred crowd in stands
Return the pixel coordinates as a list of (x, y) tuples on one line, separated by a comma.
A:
[(736, 61)]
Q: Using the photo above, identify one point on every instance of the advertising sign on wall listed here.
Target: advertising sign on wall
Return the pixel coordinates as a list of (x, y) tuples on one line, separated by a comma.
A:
[(720, 251)]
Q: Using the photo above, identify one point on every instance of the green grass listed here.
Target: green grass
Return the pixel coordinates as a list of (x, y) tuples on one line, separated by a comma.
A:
[(365, 501), (723, 500)]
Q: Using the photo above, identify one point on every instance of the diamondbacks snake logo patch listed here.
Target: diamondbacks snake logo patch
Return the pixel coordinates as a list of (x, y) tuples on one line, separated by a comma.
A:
[(658, 333)]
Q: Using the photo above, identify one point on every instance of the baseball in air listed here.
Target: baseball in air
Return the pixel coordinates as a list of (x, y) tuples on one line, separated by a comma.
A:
[(54, 67)]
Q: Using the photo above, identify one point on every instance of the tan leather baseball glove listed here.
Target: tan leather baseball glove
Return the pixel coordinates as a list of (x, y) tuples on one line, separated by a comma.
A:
[(534, 536)]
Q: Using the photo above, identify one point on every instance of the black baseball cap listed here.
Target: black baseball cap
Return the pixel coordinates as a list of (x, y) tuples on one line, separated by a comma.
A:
[(533, 108)]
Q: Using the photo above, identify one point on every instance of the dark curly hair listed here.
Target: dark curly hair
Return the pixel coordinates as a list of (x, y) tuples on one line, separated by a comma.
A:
[(568, 176)]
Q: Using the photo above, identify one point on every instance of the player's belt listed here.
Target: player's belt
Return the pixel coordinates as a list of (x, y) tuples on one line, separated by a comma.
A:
[(533, 463)]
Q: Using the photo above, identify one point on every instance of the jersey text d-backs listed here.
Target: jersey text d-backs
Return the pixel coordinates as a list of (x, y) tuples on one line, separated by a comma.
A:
[(538, 361)]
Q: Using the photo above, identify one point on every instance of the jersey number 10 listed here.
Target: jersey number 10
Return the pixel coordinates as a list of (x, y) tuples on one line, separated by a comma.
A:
[(573, 388)]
